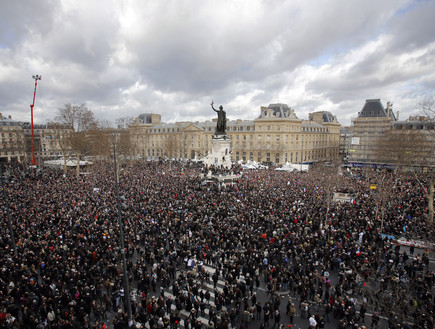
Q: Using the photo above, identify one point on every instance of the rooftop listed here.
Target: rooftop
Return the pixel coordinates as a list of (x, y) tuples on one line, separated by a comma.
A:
[(373, 108)]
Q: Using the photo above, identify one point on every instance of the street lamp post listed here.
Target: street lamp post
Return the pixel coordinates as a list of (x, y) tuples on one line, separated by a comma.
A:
[(302, 151), (36, 77), (383, 203), (121, 238)]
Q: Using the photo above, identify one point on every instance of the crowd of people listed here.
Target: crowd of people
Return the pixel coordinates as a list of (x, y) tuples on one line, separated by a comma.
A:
[(275, 230)]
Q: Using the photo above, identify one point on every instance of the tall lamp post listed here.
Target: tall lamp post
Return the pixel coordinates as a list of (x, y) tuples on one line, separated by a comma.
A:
[(36, 77), (121, 238)]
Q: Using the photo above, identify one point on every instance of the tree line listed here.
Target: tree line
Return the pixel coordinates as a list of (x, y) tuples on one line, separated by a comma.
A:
[(78, 133)]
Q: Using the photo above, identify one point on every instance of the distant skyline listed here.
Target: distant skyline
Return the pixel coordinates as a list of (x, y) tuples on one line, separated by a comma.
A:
[(173, 58)]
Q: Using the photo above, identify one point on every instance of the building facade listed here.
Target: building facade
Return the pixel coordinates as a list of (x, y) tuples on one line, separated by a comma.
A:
[(410, 144), (46, 141), (277, 136), (16, 141), (368, 129), (12, 140), (377, 139)]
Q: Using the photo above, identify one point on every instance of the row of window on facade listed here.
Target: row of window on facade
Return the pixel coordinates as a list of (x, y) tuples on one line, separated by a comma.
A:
[(15, 153), (237, 144), (3, 134), (316, 139), (243, 128), (286, 158)]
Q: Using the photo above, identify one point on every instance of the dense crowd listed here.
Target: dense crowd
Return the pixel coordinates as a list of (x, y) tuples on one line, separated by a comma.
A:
[(273, 229)]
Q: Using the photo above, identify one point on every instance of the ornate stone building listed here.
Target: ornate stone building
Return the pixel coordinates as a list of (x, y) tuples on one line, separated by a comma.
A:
[(277, 136), (46, 141), (16, 141), (379, 140), (12, 140), (368, 128)]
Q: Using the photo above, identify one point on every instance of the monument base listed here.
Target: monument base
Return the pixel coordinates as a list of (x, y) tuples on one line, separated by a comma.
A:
[(220, 152)]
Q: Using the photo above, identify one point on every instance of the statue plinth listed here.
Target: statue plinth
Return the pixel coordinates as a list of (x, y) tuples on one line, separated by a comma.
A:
[(220, 151), (220, 136)]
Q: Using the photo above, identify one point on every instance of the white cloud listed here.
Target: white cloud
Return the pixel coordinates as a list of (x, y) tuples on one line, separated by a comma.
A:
[(173, 57)]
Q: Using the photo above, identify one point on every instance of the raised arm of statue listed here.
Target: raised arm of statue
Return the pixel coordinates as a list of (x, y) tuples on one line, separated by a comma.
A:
[(213, 107)]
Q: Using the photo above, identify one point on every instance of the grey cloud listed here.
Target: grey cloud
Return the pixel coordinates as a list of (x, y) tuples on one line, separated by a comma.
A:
[(375, 72), (190, 58), (21, 19), (80, 38), (414, 27)]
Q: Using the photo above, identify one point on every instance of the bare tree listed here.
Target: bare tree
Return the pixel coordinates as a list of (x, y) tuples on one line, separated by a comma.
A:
[(125, 145), (409, 146), (184, 143), (427, 107), (170, 146), (105, 124), (100, 142), (404, 147), (430, 197), (330, 177), (124, 122), (389, 293), (60, 133), (100, 138), (79, 120), (139, 139)]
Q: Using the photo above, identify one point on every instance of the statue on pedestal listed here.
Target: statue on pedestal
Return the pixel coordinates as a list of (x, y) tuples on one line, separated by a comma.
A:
[(220, 143), (222, 120)]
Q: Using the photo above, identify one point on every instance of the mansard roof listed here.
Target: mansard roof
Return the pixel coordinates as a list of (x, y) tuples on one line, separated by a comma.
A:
[(328, 117), (145, 118), (373, 108), (279, 110)]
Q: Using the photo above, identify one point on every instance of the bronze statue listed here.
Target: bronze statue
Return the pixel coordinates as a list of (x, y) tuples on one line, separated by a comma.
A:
[(222, 120)]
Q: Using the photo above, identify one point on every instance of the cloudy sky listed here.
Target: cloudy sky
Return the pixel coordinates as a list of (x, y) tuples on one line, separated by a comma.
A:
[(173, 57)]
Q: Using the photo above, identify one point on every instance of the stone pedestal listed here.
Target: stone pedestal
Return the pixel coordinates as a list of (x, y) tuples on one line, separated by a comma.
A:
[(220, 152)]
